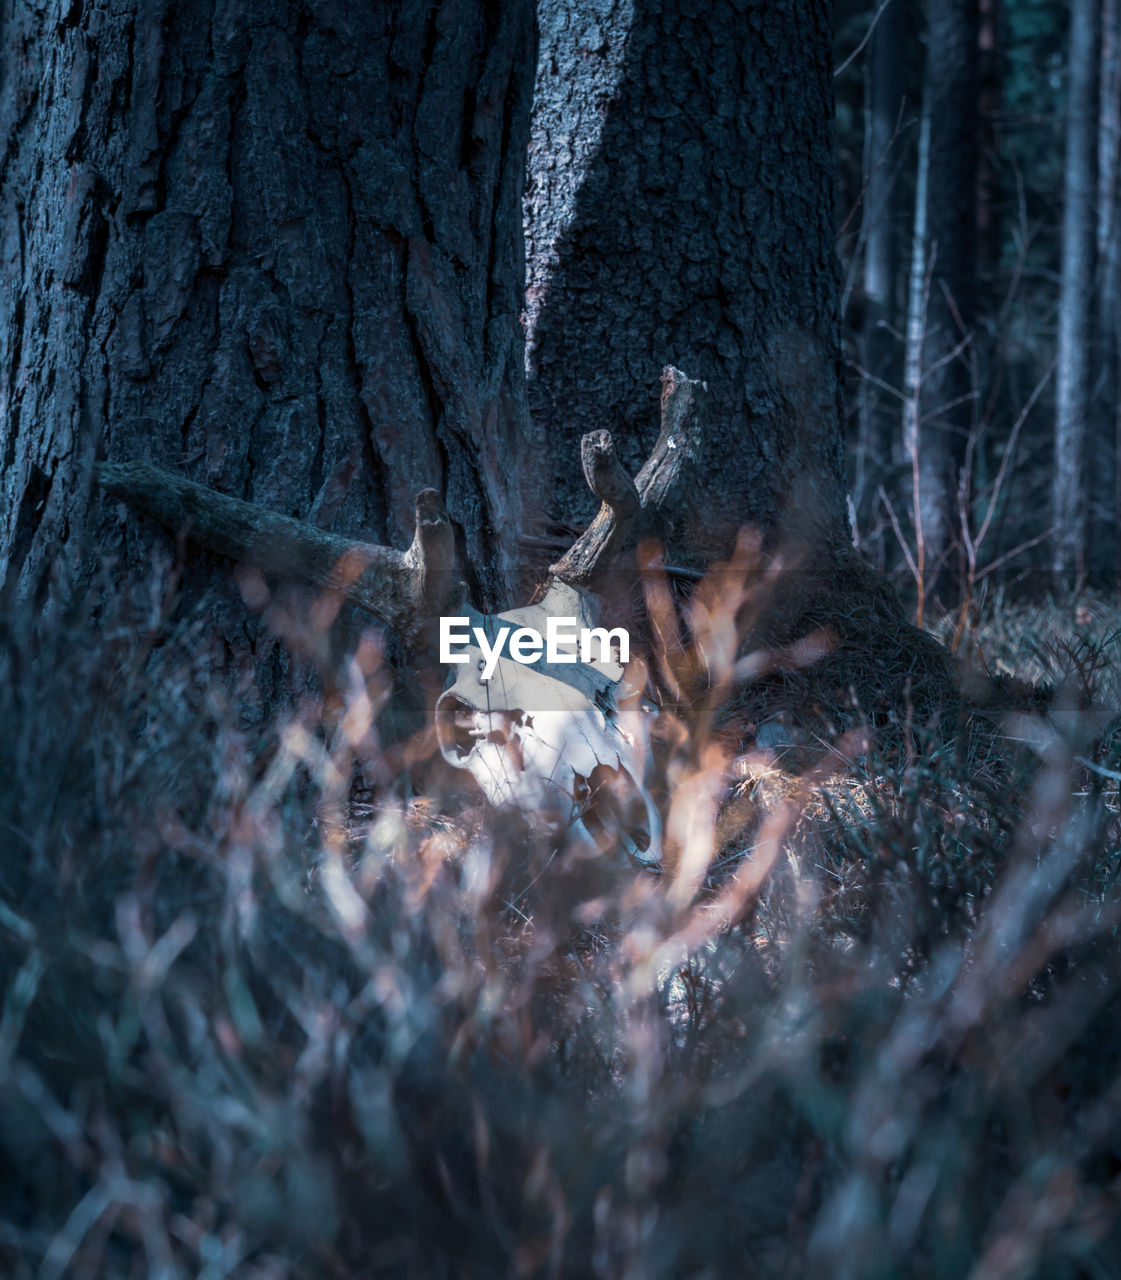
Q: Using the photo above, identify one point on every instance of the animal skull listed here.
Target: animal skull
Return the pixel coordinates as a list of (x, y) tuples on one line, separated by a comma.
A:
[(569, 741)]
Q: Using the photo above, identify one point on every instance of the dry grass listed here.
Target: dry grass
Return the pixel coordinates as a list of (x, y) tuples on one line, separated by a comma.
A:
[(269, 1013)]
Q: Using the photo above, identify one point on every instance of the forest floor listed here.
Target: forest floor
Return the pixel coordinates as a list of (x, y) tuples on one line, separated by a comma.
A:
[(267, 1014)]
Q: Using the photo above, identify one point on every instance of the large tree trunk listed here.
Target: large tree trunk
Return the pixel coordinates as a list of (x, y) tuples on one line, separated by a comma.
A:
[(943, 380), (697, 231), (1072, 388), (274, 247)]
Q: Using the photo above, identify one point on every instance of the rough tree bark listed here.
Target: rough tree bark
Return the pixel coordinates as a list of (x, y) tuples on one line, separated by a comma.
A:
[(276, 248), (1072, 385), (943, 379), (697, 231)]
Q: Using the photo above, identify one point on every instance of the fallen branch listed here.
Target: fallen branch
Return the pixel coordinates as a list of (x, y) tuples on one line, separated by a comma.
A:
[(404, 589)]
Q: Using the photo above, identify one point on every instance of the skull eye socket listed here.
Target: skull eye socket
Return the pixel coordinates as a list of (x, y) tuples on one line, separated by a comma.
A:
[(612, 808)]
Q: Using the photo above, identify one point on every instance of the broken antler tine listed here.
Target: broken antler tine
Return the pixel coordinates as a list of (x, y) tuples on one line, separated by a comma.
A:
[(659, 502), (606, 476), (665, 480), (434, 537), (432, 554), (600, 544)]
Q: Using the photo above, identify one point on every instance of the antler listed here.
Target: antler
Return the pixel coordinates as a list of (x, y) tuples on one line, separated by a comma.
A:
[(660, 503), (402, 588), (406, 589)]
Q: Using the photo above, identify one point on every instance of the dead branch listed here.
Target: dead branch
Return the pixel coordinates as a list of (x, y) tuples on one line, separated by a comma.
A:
[(404, 589)]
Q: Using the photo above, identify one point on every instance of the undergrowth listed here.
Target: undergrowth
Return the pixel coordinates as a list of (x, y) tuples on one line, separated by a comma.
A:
[(269, 1012)]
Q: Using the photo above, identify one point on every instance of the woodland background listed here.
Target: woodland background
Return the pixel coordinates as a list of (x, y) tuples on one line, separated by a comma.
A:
[(277, 1001), (1013, 252)]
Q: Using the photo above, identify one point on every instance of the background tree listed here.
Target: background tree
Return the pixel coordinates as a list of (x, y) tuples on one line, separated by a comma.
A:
[(885, 148), (1074, 370), (1006, 441), (941, 381), (990, 71), (1104, 546)]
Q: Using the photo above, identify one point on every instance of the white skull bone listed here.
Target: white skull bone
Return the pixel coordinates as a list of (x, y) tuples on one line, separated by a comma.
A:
[(567, 740)]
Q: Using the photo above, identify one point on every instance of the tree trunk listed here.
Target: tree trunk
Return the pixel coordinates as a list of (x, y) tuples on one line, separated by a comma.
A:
[(1104, 545), (885, 90), (697, 231), (944, 379), (276, 248), (990, 97), (1072, 388), (917, 298)]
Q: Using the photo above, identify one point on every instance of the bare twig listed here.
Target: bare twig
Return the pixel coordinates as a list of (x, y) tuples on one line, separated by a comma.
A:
[(867, 36)]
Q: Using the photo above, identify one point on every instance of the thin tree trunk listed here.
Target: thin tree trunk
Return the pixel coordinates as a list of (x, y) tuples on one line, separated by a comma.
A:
[(1104, 546), (990, 96), (945, 392), (913, 362), (878, 409), (276, 249), (1072, 389)]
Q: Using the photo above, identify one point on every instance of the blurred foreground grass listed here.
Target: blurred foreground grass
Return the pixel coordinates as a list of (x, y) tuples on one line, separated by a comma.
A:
[(268, 1014)]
